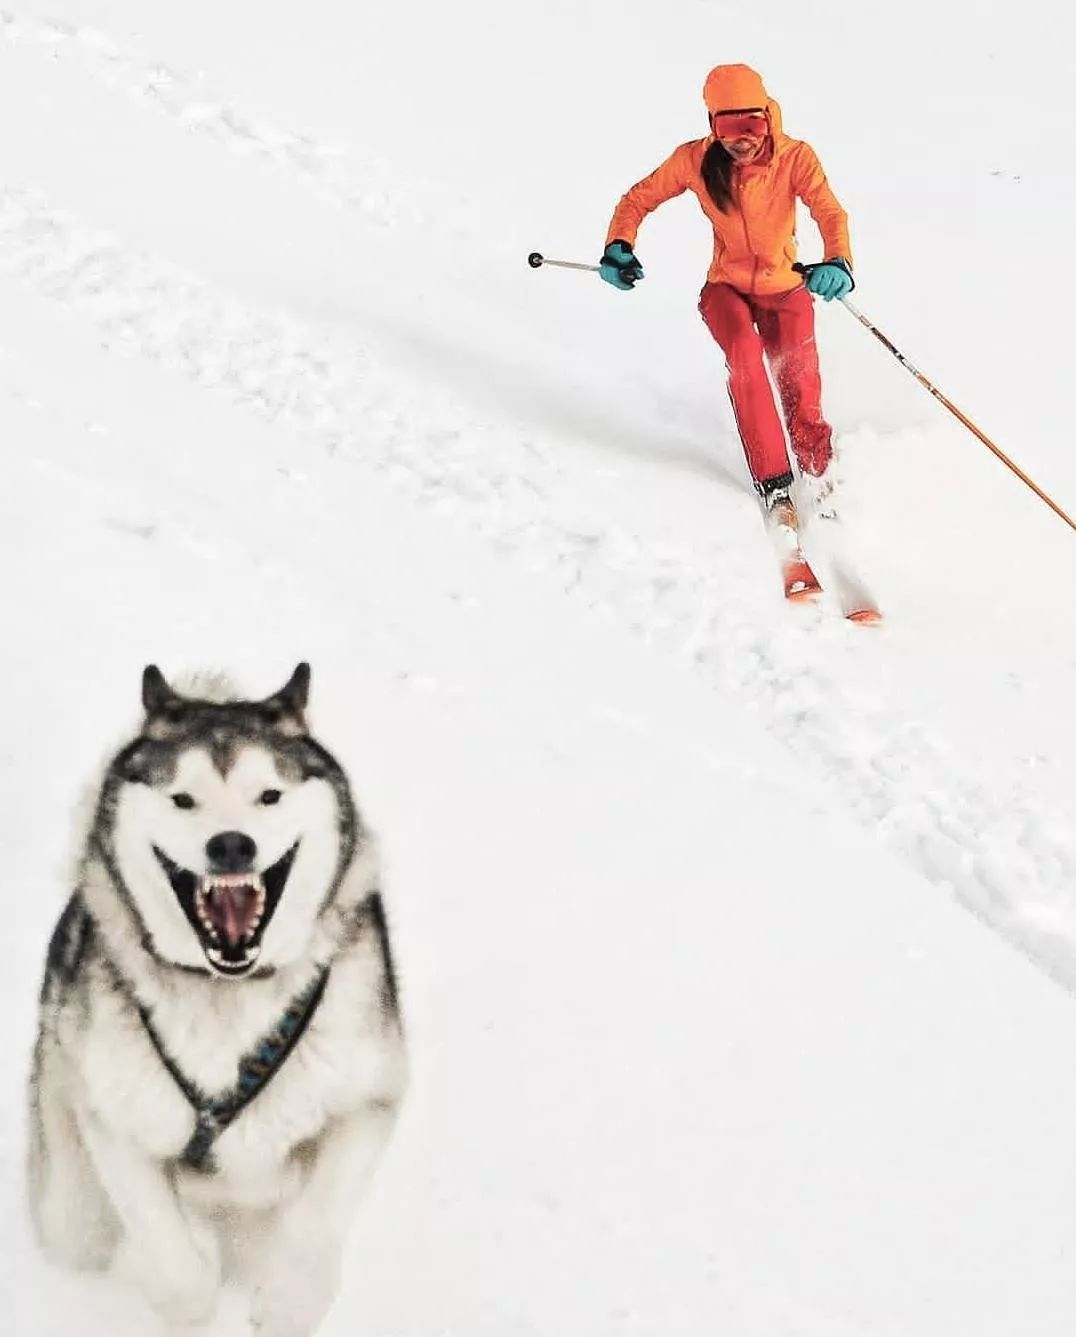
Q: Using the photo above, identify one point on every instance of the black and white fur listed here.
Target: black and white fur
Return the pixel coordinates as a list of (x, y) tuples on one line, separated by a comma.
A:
[(109, 1122)]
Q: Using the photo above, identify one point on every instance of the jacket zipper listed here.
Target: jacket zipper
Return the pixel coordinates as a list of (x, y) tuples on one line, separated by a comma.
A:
[(746, 232)]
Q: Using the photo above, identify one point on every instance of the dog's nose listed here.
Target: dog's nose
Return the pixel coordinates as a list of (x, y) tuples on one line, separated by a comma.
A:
[(230, 852)]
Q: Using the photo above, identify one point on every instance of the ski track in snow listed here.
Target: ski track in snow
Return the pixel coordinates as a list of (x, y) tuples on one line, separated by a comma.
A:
[(1004, 854), (330, 169)]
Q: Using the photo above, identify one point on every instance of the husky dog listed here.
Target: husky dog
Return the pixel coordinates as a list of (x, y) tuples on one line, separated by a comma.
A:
[(220, 1055)]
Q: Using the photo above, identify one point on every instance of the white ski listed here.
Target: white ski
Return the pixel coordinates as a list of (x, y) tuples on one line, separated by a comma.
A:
[(825, 533)]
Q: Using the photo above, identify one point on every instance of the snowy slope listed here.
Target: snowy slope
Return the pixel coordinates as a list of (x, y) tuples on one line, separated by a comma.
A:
[(702, 1038)]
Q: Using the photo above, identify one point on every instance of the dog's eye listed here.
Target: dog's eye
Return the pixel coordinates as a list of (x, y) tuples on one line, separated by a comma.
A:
[(269, 796), (183, 800)]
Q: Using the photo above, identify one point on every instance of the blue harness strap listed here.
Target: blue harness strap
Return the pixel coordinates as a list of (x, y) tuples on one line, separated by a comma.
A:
[(214, 1114)]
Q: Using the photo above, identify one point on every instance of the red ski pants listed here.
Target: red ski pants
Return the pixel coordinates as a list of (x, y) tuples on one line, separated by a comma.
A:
[(782, 325)]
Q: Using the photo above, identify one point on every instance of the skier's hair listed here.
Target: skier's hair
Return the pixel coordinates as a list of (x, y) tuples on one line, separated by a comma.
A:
[(717, 175)]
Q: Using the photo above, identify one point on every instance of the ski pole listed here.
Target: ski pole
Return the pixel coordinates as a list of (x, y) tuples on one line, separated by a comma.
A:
[(929, 385), (537, 260)]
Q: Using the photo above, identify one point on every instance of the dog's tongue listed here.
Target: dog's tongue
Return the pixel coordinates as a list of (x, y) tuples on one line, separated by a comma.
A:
[(232, 911)]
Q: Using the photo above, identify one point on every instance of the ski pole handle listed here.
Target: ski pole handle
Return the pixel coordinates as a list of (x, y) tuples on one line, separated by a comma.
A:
[(536, 260), (807, 270)]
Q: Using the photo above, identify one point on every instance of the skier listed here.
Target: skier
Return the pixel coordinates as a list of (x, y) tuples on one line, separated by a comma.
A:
[(748, 174)]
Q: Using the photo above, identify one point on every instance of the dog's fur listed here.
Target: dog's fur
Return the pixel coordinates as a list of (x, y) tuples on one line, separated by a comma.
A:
[(147, 982)]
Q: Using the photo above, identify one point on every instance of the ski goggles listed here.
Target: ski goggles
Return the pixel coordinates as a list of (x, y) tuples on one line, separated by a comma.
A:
[(740, 125)]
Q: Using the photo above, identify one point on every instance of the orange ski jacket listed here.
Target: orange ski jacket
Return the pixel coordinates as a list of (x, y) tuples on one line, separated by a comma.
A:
[(754, 243)]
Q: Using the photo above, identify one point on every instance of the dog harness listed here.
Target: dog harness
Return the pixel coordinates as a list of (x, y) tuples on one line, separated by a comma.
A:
[(214, 1114)]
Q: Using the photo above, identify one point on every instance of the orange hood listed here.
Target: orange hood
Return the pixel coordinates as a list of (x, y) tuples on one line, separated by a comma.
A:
[(737, 87), (733, 88)]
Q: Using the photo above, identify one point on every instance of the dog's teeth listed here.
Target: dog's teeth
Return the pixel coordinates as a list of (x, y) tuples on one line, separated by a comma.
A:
[(228, 967), (219, 881)]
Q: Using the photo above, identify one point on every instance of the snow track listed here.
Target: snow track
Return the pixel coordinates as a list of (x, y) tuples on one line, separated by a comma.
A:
[(331, 170)]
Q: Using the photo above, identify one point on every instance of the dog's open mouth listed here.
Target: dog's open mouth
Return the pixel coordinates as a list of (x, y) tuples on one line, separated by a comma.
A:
[(229, 911)]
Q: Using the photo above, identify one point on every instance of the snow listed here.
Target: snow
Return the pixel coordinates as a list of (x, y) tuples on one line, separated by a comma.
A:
[(737, 942)]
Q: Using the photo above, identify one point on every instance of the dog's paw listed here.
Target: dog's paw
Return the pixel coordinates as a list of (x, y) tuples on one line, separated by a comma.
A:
[(297, 1288), (180, 1280)]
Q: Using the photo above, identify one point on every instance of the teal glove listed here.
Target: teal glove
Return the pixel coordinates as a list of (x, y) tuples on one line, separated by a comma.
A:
[(831, 278), (619, 266)]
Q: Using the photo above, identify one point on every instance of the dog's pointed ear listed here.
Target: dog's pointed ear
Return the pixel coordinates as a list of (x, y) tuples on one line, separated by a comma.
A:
[(157, 697), (289, 704), (296, 691)]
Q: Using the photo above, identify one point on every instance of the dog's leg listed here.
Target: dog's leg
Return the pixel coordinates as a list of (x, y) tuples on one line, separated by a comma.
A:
[(300, 1270), (174, 1259), (74, 1220)]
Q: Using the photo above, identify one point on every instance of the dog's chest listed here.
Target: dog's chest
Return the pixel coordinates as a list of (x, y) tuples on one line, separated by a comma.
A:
[(260, 1157), (343, 1059)]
